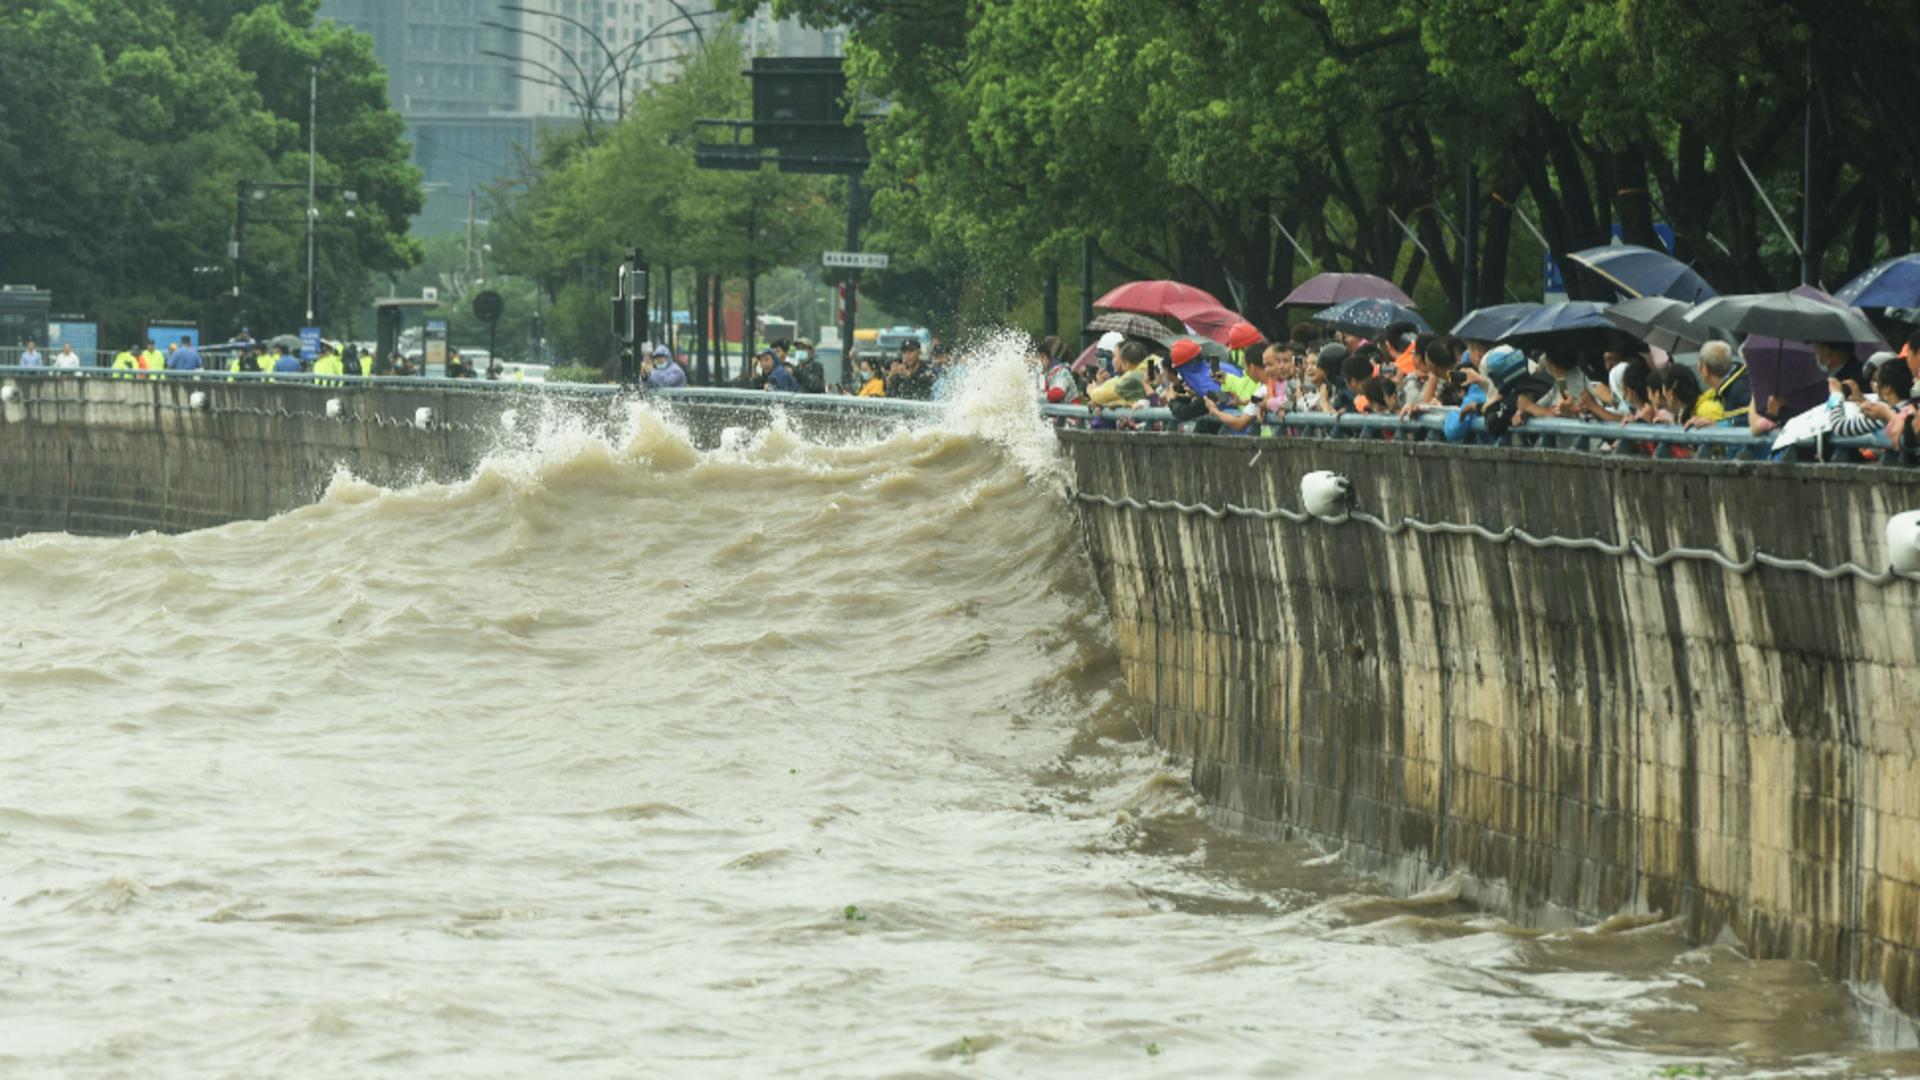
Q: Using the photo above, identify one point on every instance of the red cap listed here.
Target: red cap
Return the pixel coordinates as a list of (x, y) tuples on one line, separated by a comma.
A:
[(1243, 336), (1055, 395), (1185, 350)]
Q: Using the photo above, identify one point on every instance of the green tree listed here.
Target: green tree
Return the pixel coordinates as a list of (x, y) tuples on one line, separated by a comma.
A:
[(638, 185), (125, 125), (1186, 135)]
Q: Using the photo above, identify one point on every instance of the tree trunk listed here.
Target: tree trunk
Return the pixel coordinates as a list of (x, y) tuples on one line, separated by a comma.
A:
[(1633, 199), (1496, 243)]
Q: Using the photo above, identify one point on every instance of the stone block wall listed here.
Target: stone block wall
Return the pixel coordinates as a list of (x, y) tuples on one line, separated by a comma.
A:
[(103, 456), (1583, 733)]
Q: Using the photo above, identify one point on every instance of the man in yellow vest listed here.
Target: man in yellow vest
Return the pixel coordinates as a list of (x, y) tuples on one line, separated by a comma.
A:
[(124, 360), (153, 359), (328, 363)]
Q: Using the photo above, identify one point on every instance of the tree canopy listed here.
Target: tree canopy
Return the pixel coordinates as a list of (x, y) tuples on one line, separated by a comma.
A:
[(1185, 135), (125, 126), (637, 185)]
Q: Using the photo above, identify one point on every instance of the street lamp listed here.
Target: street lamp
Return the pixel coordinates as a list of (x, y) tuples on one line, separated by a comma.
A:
[(613, 69), (253, 191)]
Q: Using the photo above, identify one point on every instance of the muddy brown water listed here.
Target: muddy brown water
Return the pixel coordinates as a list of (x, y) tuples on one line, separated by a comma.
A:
[(627, 758)]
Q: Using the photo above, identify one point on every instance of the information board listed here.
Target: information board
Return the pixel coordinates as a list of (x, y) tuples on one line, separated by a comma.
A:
[(82, 334)]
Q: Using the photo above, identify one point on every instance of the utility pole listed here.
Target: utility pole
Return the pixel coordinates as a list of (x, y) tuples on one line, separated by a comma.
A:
[(1809, 248), (313, 142), (466, 280), (1086, 289), (1469, 243)]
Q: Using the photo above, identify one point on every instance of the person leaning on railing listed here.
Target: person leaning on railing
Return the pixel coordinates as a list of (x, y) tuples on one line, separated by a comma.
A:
[(1726, 397), (1130, 387), (1891, 409), (1553, 391)]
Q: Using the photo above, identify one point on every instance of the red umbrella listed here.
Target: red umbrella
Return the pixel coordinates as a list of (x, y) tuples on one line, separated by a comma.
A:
[(1207, 319), (1326, 290), (1155, 297)]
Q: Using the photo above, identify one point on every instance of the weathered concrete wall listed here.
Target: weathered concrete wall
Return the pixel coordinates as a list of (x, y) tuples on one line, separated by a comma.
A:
[(107, 456), (1583, 733)]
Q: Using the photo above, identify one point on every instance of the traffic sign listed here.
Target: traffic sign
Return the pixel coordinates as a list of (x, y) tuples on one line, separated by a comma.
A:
[(489, 306), (855, 260)]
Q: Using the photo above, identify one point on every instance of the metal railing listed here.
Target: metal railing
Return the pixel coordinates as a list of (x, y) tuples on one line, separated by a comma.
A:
[(1589, 436), (1592, 436)]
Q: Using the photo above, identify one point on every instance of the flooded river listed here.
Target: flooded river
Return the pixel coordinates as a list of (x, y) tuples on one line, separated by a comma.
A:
[(625, 758)]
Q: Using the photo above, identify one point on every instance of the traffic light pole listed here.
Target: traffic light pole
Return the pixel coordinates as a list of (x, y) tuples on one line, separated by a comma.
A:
[(630, 315), (850, 317)]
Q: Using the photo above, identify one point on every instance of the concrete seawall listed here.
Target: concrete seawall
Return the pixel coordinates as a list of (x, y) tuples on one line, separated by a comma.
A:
[(104, 456), (1582, 733)]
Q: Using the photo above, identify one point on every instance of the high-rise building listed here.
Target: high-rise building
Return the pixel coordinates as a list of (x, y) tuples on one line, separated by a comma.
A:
[(597, 48), (476, 79)]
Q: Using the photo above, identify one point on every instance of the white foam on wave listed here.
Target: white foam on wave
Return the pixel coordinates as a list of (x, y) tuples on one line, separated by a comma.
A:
[(993, 399)]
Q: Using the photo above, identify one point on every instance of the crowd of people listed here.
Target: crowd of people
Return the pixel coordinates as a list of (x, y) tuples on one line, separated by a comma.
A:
[(1251, 386), (244, 354), (793, 367)]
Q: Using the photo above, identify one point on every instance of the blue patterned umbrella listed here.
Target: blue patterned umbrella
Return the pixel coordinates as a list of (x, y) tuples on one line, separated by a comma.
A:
[(1894, 283), (1369, 316)]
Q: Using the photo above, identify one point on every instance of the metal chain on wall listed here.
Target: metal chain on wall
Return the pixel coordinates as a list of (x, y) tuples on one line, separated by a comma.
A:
[(1631, 547)]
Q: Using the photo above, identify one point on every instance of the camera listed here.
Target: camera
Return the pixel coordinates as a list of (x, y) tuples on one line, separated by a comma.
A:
[(1456, 377)]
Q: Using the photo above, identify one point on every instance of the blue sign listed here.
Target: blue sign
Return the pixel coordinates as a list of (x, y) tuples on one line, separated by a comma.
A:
[(164, 334), (83, 336), (309, 342)]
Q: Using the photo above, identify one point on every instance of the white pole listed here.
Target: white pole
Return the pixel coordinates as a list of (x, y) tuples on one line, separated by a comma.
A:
[(313, 112)]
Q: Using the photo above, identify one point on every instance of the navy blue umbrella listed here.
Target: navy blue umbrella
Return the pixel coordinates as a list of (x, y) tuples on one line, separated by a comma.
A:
[(1893, 283), (1639, 271), (1492, 323), (1369, 316), (1562, 318)]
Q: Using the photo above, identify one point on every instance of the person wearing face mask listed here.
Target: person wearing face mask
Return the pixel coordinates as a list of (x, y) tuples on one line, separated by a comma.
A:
[(807, 370)]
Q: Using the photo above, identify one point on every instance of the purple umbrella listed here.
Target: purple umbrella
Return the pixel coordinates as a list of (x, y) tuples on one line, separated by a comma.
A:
[(1788, 370), (1325, 290)]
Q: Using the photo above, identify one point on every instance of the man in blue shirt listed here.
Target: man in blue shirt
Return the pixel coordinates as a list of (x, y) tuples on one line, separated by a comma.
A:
[(1190, 364), (184, 358), (285, 362), (30, 357)]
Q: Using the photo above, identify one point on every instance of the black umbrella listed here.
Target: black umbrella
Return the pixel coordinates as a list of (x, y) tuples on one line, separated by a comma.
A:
[(1789, 316), (1492, 323), (1660, 322), (1126, 322), (1642, 271)]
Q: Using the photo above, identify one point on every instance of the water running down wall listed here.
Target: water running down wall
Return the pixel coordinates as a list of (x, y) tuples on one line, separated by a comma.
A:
[(1583, 734)]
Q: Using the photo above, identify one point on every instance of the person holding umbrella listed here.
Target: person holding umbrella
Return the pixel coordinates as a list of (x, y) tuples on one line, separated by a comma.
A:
[(1843, 369)]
